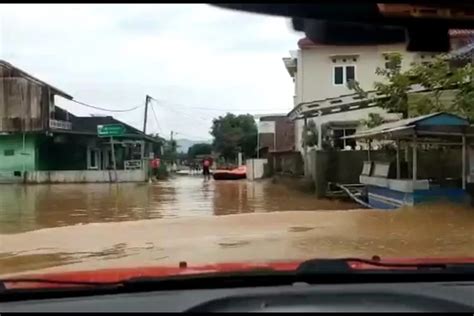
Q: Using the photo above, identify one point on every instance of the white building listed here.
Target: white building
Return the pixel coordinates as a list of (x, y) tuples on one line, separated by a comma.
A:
[(320, 74)]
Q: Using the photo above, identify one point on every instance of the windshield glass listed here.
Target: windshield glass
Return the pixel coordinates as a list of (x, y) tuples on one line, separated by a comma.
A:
[(139, 136)]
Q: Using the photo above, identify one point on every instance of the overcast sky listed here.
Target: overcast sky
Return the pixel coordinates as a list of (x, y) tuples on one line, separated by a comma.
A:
[(187, 56)]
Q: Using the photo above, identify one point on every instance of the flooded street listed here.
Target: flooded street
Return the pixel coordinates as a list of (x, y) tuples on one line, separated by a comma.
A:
[(32, 207), (90, 226)]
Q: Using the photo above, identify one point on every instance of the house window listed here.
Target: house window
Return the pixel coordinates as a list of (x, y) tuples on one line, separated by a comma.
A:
[(338, 75), (342, 74), (9, 152), (350, 73), (341, 143)]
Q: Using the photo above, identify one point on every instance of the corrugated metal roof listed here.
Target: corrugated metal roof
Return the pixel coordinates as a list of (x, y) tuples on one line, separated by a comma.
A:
[(398, 125), (34, 79), (88, 125)]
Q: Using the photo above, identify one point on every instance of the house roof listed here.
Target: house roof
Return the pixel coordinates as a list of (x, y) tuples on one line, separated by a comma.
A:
[(34, 79), (454, 33), (438, 119), (88, 125)]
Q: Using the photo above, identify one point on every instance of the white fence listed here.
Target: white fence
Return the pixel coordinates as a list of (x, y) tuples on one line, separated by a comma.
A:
[(76, 176), (255, 168)]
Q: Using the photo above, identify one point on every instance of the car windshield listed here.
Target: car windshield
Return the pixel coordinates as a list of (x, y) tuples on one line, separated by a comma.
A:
[(142, 136)]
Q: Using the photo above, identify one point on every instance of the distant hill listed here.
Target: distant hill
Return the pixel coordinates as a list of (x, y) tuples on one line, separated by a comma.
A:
[(184, 144)]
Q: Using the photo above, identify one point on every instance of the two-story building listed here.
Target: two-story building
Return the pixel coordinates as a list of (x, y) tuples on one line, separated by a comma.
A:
[(276, 143), (40, 142), (321, 72)]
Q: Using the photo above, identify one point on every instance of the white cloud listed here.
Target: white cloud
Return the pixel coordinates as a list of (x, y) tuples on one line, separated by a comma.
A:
[(185, 55)]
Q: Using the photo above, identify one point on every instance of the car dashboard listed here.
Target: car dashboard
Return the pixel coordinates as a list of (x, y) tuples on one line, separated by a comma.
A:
[(298, 297)]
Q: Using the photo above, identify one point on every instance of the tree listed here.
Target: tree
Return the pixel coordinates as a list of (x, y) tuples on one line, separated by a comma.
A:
[(169, 151), (374, 120), (234, 133), (309, 135), (448, 89), (395, 85), (199, 149)]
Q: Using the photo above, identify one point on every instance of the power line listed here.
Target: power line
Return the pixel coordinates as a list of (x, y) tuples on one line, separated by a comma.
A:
[(185, 114), (220, 109), (103, 109), (156, 119), (187, 135)]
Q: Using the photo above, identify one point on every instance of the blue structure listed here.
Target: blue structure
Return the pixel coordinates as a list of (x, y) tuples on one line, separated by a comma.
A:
[(389, 192)]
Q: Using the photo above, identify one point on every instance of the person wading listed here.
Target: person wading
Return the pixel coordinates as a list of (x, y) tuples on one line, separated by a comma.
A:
[(206, 164)]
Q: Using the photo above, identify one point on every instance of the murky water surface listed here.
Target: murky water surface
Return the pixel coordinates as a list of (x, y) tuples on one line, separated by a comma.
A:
[(90, 226)]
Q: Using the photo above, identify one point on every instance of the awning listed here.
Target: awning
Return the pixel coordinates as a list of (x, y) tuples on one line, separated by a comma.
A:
[(431, 124)]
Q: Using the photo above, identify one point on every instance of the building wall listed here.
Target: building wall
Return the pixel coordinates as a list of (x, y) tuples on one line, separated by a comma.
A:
[(24, 104), (284, 140), (361, 114), (315, 69), (17, 161), (314, 77), (87, 176)]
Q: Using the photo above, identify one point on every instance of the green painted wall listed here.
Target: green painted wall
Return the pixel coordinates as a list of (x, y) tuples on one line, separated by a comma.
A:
[(16, 161)]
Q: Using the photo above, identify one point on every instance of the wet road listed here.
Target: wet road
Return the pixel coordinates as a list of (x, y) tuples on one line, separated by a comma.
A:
[(83, 227), (26, 208)]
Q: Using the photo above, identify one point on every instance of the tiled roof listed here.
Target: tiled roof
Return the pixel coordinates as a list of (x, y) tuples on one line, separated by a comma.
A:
[(454, 33)]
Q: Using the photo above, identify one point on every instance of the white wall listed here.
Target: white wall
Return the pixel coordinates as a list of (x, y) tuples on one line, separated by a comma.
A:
[(314, 77), (255, 168), (83, 176)]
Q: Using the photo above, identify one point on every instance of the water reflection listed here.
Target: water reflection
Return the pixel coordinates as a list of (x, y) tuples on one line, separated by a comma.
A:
[(180, 219), (31, 207)]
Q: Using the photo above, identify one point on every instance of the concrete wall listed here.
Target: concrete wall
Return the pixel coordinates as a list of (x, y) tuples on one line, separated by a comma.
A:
[(314, 79), (288, 163), (21, 158), (255, 168), (84, 176)]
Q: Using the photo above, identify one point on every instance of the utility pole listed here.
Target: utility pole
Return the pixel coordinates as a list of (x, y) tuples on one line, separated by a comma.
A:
[(146, 113), (171, 136)]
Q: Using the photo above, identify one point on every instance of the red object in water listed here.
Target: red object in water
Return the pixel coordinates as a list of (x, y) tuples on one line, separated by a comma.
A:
[(119, 274), (234, 174), (155, 163)]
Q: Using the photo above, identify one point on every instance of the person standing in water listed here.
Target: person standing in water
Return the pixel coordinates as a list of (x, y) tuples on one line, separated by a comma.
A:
[(206, 164)]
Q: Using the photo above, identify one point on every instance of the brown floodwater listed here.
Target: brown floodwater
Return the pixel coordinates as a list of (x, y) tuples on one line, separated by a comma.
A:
[(32, 207), (45, 228)]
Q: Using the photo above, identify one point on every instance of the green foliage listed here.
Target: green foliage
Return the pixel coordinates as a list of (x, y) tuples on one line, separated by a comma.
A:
[(309, 134), (374, 120), (199, 149), (156, 147), (233, 133), (450, 89), (169, 151), (162, 172), (395, 85)]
